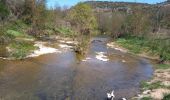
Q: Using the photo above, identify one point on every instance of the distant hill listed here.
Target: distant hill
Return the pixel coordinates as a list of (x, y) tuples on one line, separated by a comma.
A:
[(108, 4), (164, 3)]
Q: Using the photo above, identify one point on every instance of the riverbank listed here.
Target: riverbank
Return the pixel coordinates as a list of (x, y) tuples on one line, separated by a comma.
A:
[(158, 88), (26, 49)]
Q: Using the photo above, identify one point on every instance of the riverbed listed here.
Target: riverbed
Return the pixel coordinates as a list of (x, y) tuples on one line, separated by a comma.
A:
[(68, 76)]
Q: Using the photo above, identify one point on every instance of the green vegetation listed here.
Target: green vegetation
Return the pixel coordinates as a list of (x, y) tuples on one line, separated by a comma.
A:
[(84, 23), (27, 19), (4, 12), (141, 44), (166, 97), (20, 49), (65, 31), (162, 66), (82, 18), (134, 44), (155, 85), (135, 26), (146, 98)]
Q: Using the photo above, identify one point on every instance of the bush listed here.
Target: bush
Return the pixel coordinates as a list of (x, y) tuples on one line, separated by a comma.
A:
[(65, 31), (14, 33), (134, 44), (146, 98), (4, 12), (163, 66), (166, 97), (155, 85), (140, 44), (21, 49)]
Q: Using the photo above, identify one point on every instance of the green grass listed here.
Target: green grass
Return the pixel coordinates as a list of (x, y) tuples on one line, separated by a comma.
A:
[(138, 45), (15, 33), (134, 44), (65, 31), (166, 97), (162, 66), (21, 49), (155, 85), (146, 98)]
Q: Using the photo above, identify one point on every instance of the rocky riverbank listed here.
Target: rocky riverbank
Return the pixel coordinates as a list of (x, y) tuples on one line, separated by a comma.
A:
[(156, 88)]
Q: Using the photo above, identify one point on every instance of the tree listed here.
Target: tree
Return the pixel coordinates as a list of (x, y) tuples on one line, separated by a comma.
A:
[(83, 22), (4, 11), (110, 23), (137, 23), (82, 18), (28, 11)]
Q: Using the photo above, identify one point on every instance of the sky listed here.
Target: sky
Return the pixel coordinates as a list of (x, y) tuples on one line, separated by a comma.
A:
[(69, 3)]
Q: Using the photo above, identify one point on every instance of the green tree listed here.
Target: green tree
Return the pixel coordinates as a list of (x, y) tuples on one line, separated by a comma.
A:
[(84, 23), (4, 11), (137, 23), (82, 18), (29, 10)]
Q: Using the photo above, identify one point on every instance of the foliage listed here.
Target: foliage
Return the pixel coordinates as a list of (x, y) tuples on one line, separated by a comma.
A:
[(28, 11), (160, 46), (137, 23), (163, 66), (21, 49), (155, 85), (65, 31), (146, 98), (82, 18), (134, 44), (166, 97), (4, 12), (14, 33), (139, 44), (110, 23), (82, 47), (83, 22)]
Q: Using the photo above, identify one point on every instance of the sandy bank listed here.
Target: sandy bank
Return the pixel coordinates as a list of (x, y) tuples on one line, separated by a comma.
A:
[(42, 49)]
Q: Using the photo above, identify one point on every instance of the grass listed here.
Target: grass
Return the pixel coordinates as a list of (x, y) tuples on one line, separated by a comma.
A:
[(155, 85), (166, 97), (21, 49), (162, 66), (65, 31), (138, 45), (15, 33), (12, 30), (146, 98), (134, 44)]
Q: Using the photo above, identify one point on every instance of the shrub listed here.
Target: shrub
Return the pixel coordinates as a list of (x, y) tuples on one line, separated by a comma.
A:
[(166, 97), (21, 49)]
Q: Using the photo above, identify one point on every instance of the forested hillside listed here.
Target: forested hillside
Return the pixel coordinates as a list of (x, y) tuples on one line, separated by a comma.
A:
[(32, 19), (149, 21)]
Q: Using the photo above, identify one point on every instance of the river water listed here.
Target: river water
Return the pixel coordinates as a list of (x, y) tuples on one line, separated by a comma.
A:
[(62, 76)]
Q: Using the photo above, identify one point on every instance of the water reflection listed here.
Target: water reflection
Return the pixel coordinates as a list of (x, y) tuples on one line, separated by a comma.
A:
[(60, 77)]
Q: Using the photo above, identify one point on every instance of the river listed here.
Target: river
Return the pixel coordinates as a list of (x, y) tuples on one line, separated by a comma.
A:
[(62, 76)]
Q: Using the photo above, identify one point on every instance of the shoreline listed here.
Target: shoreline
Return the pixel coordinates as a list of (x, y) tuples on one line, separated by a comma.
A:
[(43, 48), (155, 88), (116, 46)]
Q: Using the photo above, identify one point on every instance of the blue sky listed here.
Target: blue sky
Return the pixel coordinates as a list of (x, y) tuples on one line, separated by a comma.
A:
[(52, 3)]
